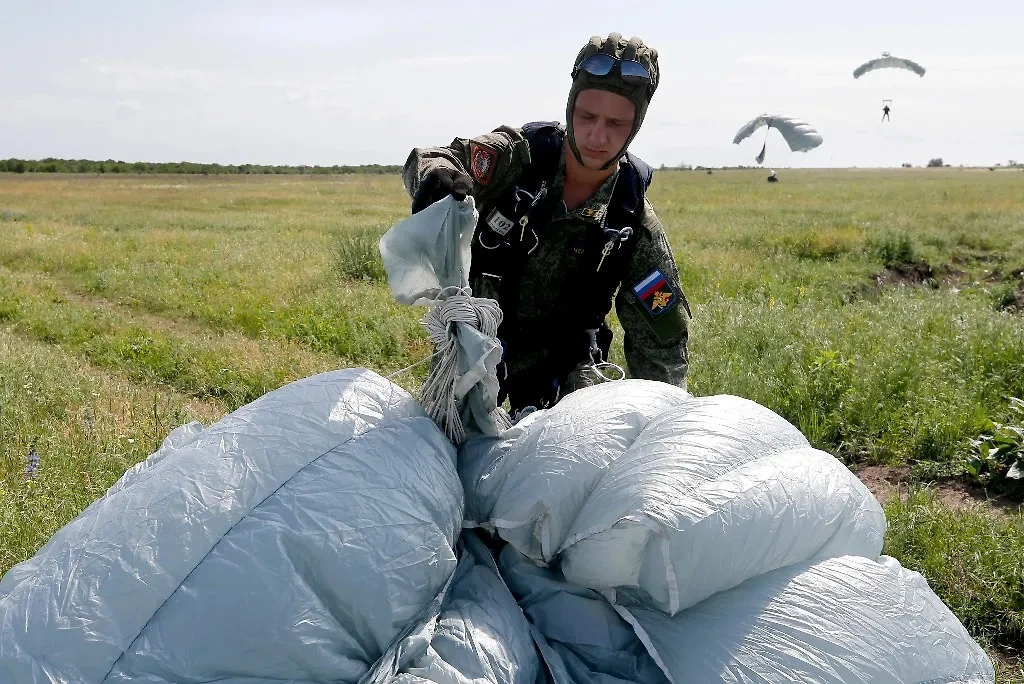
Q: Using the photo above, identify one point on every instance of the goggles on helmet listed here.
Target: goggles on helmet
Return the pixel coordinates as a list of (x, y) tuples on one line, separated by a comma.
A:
[(602, 64)]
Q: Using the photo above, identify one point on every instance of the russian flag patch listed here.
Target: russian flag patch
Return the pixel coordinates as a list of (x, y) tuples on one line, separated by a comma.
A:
[(655, 293)]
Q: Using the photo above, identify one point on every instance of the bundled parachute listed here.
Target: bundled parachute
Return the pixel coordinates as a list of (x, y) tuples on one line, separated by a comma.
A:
[(631, 487), (798, 134), (330, 531), (735, 550), (836, 620), (887, 61), (293, 540)]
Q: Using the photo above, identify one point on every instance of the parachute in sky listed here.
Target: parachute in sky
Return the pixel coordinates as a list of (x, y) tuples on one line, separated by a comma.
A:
[(799, 135), (887, 61)]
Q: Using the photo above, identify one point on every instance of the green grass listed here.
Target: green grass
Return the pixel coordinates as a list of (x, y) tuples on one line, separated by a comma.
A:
[(140, 302), (973, 558), (910, 375), (87, 427), (790, 313), (357, 257)]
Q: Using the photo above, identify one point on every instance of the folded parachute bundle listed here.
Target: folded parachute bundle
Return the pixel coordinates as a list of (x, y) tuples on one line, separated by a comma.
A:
[(293, 540), (639, 534), (735, 550), (331, 531)]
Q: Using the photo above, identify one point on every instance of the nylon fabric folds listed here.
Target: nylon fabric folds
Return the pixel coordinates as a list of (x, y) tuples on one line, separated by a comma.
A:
[(843, 620), (293, 539), (330, 532), (633, 486)]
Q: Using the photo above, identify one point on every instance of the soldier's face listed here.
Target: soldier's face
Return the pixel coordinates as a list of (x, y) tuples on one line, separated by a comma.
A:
[(601, 123)]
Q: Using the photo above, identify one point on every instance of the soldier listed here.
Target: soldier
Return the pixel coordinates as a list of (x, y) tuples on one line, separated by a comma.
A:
[(565, 230)]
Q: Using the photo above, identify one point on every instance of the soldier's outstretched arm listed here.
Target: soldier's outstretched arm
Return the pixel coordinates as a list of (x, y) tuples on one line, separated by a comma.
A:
[(653, 310), (493, 160)]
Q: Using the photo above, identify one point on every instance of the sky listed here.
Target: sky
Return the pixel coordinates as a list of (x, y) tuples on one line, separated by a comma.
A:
[(315, 82)]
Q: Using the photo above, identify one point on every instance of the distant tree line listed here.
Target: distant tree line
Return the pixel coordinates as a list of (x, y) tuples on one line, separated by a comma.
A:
[(51, 165)]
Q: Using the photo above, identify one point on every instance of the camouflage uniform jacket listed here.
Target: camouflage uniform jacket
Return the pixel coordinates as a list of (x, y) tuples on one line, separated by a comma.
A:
[(649, 302)]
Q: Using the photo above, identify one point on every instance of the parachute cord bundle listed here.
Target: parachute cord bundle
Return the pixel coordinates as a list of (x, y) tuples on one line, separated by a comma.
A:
[(427, 259), (452, 306)]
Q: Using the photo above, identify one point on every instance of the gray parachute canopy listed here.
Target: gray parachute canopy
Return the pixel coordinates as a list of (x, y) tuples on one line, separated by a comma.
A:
[(887, 61), (799, 135)]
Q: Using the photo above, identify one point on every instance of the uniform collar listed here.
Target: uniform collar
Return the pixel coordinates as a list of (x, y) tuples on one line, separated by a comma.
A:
[(595, 208)]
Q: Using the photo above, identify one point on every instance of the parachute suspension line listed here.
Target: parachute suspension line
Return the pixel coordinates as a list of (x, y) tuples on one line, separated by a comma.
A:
[(454, 305), (411, 366), (764, 148)]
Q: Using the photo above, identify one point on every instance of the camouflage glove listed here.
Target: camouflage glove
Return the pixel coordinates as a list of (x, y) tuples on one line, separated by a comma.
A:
[(440, 183)]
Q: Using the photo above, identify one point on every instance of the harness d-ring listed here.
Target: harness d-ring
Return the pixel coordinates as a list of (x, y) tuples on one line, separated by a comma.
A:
[(480, 239), (607, 364)]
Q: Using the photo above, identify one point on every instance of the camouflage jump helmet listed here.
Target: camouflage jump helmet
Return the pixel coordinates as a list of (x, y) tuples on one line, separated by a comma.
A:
[(627, 68)]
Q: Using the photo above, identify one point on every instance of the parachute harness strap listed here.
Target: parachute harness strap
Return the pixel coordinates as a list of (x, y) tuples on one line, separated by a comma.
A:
[(452, 306), (524, 206)]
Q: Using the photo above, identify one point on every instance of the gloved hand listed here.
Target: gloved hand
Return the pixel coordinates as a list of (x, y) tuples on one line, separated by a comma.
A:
[(440, 183)]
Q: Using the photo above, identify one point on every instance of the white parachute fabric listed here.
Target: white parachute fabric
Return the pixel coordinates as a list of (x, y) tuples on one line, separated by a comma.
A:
[(887, 61), (430, 251), (689, 477), (798, 134), (841, 620), (428, 257), (480, 635), (736, 551), (642, 491), (532, 489), (645, 535), (310, 537), (292, 540), (581, 635)]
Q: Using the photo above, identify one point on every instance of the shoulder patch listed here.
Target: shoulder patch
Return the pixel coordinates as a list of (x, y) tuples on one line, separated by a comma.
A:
[(656, 294), (481, 162)]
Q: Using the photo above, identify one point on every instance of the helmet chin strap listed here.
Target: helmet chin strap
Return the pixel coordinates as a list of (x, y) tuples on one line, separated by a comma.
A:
[(570, 131), (614, 160)]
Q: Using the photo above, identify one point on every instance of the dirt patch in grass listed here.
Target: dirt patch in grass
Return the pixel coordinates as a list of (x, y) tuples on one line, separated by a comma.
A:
[(1011, 300), (886, 482), (908, 274), (918, 273), (1009, 665)]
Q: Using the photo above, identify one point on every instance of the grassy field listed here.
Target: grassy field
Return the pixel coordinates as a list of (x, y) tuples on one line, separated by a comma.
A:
[(879, 311)]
